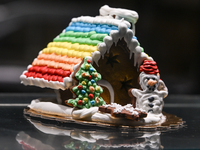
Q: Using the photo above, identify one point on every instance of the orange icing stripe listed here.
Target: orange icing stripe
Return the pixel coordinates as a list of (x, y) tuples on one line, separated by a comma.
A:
[(59, 58)]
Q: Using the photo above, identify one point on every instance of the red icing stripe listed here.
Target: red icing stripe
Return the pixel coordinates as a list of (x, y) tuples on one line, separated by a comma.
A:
[(50, 74)]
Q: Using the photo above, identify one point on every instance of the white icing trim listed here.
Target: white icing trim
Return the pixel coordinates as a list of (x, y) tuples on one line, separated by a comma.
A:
[(109, 87), (129, 15), (119, 13), (132, 44), (45, 83), (51, 108), (92, 114), (100, 20)]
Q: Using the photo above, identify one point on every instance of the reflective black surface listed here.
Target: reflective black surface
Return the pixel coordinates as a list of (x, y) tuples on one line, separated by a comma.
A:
[(20, 132)]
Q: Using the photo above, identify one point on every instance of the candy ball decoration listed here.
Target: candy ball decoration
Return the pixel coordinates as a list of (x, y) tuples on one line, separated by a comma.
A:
[(89, 77), (80, 102), (92, 102), (84, 74), (95, 74), (93, 81), (87, 91), (91, 69), (91, 96), (91, 88), (97, 100), (80, 87), (87, 66), (85, 99), (88, 61), (83, 82), (83, 91)]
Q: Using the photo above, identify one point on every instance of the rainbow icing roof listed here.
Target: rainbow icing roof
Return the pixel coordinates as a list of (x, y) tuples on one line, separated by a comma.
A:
[(83, 37)]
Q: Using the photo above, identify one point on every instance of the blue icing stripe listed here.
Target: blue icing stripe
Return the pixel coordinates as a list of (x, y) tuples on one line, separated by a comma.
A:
[(87, 27)]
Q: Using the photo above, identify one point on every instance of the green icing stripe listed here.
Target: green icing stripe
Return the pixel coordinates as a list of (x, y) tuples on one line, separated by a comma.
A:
[(89, 38)]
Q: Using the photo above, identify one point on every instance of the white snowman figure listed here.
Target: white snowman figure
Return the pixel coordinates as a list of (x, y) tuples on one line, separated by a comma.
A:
[(150, 98)]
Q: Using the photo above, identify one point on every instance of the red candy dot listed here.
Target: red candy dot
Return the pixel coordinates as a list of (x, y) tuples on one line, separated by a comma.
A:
[(80, 87), (88, 61), (89, 77), (91, 96), (80, 102)]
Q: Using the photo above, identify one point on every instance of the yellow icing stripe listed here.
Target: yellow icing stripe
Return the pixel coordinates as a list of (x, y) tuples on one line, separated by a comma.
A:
[(69, 49)]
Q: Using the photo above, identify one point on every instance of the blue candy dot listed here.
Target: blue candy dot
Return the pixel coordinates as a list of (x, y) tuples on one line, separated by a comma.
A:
[(92, 81), (91, 69), (83, 92), (92, 102)]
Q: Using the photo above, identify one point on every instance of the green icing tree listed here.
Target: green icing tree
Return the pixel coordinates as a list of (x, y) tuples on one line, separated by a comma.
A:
[(87, 91)]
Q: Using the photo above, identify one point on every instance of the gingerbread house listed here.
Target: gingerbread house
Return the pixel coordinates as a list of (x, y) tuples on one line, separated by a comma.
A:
[(109, 39)]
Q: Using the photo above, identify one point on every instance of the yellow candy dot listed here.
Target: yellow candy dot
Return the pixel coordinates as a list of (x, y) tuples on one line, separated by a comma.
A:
[(85, 99), (87, 66), (83, 82), (97, 88)]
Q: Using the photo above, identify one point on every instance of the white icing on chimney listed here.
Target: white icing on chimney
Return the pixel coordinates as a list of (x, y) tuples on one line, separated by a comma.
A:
[(119, 13)]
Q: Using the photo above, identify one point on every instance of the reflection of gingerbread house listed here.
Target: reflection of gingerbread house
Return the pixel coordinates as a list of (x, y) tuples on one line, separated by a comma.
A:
[(109, 39)]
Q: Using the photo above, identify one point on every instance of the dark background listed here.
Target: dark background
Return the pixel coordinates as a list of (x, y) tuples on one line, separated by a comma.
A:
[(169, 31)]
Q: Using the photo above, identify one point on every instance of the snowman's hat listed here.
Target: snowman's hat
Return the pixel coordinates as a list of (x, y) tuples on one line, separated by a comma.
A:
[(149, 67)]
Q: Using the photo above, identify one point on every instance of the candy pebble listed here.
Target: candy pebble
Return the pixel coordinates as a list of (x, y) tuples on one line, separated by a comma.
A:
[(80, 87), (87, 66), (95, 74), (91, 96), (89, 77), (88, 61), (91, 88), (92, 102), (83, 82), (92, 81), (80, 102), (85, 99), (97, 100), (97, 88), (83, 91)]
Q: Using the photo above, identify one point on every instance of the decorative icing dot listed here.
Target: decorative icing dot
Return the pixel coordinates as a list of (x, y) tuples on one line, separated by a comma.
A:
[(92, 102), (83, 91), (97, 100), (80, 87), (88, 61), (91, 96), (91, 88), (80, 102), (91, 69), (84, 74), (95, 74), (92, 81), (89, 77), (97, 88), (87, 66), (83, 82), (85, 99)]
